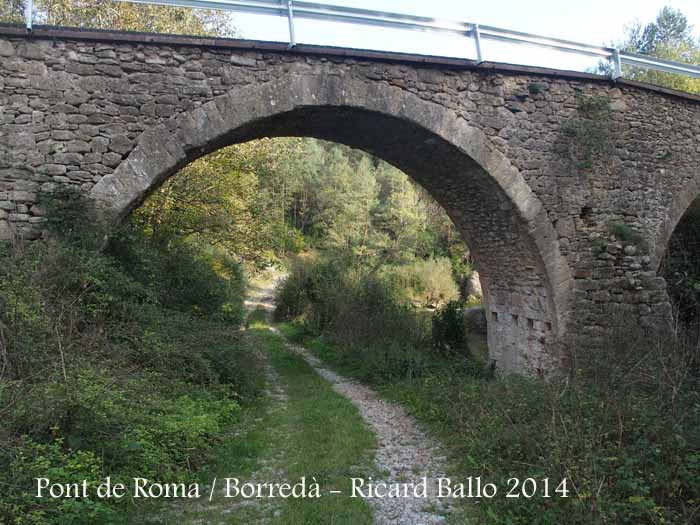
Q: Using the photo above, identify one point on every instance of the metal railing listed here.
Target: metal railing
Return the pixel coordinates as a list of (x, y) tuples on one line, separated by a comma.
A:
[(292, 9)]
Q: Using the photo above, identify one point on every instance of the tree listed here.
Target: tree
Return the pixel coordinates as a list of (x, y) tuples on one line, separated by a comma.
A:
[(108, 14), (400, 215), (261, 200), (346, 199), (670, 29), (12, 11), (228, 199), (669, 36)]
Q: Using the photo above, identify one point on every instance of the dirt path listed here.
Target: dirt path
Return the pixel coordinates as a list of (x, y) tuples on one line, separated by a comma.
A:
[(261, 294), (405, 454)]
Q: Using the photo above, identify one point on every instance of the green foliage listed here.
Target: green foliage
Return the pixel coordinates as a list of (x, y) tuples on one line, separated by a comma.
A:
[(425, 281), (534, 88), (624, 233), (670, 26), (450, 330), (332, 297), (109, 14), (11, 11), (346, 204), (124, 364), (301, 294), (369, 320), (621, 231), (184, 276), (72, 217), (600, 244), (670, 37), (393, 361), (588, 133), (292, 241), (221, 200), (267, 199), (52, 460), (623, 431)]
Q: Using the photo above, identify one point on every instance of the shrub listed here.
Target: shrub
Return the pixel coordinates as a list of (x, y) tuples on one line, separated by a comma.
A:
[(588, 132), (425, 281), (367, 317), (623, 431), (292, 240), (73, 217), (111, 365), (626, 234), (30, 460), (335, 298), (449, 329), (308, 293), (184, 277)]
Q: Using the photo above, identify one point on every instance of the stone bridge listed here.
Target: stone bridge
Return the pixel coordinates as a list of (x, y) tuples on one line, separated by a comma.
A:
[(537, 168)]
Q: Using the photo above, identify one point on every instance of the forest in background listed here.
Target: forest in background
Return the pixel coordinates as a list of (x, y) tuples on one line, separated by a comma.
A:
[(270, 201)]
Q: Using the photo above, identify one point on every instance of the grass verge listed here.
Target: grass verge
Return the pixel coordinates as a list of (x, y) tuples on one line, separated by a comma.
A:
[(314, 432)]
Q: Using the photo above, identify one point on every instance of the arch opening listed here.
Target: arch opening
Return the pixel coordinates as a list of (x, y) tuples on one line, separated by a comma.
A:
[(679, 265), (525, 280)]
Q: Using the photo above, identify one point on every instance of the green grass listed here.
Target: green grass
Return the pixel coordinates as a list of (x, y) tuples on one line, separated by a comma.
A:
[(324, 438), (407, 392), (613, 446), (316, 433)]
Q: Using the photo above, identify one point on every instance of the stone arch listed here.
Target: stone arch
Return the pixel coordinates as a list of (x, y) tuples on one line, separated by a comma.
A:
[(684, 198), (527, 283), (678, 208)]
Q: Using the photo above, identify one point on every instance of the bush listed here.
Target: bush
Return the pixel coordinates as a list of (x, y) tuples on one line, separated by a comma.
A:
[(368, 319), (72, 217), (30, 460), (450, 330), (624, 431), (334, 298), (115, 365), (188, 278), (625, 233), (427, 282), (302, 293)]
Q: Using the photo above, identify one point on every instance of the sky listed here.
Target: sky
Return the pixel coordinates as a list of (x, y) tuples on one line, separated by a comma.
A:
[(594, 22)]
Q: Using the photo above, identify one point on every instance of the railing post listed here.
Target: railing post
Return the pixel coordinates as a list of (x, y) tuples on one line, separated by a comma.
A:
[(617, 64), (28, 8), (290, 17), (477, 43)]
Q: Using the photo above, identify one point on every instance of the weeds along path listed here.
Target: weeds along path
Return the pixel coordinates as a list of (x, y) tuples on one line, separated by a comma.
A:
[(252, 451)]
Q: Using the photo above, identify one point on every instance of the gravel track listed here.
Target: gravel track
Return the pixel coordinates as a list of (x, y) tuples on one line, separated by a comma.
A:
[(404, 455)]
